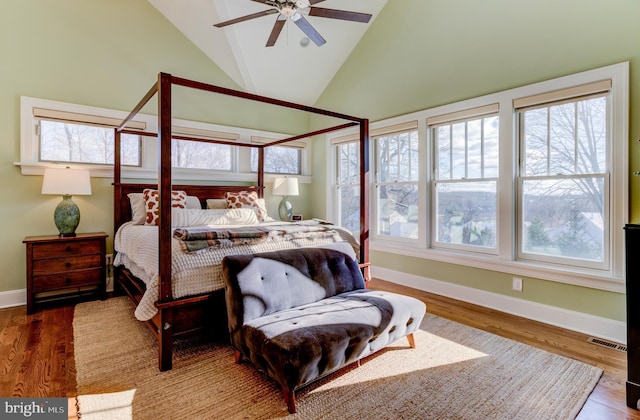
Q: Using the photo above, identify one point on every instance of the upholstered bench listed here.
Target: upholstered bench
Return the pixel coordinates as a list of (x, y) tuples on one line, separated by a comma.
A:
[(301, 314)]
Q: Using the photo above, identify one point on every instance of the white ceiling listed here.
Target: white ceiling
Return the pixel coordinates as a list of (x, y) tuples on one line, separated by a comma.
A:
[(287, 70)]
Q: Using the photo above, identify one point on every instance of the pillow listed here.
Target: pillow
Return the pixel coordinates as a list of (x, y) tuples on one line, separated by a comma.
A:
[(138, 213), (178, 200), (193, 202), (247, 199), (216, 203), (200, 217)]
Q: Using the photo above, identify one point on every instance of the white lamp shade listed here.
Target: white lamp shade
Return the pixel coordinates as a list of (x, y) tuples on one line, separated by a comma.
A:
[(285, 186), (66, 181)]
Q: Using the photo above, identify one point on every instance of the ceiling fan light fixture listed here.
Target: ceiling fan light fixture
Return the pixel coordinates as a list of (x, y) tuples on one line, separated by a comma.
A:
[(288, 10)]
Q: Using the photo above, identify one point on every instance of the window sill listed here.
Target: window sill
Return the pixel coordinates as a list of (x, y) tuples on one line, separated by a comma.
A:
[(584, 278)]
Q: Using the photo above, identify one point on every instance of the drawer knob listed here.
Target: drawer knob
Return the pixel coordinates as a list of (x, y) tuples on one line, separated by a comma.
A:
[(68, 280), (68, 249), (68, 264)]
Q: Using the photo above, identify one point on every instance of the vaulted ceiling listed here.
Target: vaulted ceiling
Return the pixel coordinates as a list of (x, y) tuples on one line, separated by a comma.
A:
[(293, 69)]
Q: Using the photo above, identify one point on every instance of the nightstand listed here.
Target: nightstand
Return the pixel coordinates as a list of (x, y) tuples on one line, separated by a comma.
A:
[(64, 268)]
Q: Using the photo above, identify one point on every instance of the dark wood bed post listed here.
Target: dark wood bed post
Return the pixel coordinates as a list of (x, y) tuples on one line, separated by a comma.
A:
[(164, 223), (364, 198), (261, 172)]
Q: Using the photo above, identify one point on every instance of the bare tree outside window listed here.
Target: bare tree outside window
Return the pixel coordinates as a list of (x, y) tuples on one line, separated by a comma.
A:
[(564, 155), (278, 160), (77, 143), (348, 185), (397, 185), (200, 155)]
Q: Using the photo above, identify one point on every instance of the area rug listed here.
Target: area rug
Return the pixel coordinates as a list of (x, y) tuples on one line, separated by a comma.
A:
[(455, 372)]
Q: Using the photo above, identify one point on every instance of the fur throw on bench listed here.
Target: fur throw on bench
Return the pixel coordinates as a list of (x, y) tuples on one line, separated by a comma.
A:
[(301, 314)]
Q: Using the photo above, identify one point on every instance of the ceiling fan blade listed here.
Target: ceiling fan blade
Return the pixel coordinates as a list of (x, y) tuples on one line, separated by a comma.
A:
[(275, 32), (248, 17), (308, 29), (340, 14), (314, 1)]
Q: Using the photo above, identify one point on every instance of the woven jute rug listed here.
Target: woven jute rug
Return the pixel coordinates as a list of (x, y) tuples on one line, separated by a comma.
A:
[(455, 372)]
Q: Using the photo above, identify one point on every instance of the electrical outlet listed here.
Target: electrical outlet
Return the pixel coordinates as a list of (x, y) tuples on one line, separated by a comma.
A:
[(109, 258), (517, 284)]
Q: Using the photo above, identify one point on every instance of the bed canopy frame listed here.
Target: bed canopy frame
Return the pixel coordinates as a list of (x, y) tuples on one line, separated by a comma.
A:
[(174, 315)]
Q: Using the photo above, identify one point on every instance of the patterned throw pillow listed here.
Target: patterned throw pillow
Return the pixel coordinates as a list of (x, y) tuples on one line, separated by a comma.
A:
[(178, 200), (247, 199)]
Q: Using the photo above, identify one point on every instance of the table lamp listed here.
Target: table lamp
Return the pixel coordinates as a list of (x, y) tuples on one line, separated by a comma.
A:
[(285, 187), (66, 182)]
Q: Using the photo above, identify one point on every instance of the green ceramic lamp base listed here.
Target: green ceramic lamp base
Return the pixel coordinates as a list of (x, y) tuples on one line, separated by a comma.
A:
[(67, 216), (285, 210)]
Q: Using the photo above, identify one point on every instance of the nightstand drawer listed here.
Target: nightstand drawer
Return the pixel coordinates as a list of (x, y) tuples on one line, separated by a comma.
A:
[(56, 265), (41, 251), (66, 280)]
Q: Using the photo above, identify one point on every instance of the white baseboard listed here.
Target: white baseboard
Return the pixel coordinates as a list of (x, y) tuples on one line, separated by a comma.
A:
[(576, 321), (13, 298), (19, 297)]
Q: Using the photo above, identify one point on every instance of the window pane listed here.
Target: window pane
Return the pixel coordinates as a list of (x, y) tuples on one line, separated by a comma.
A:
[(491, 147), (349, 206), (534, 129), (458, 151), (474, 149), (564, 218), (466, 213), (562, 135), (65, 142), (200, 155), (592, 136), (349, 163), (444, 152), (278, 160), (398, 157), (398, 210)]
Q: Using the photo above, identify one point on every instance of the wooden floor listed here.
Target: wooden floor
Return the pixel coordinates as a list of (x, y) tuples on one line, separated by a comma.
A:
[(36, 351)]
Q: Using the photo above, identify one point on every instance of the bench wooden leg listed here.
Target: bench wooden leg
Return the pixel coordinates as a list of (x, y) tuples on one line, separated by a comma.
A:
[(412, 341), (289, 399)]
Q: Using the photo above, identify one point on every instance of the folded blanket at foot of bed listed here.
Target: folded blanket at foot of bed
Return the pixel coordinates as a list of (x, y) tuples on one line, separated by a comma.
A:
[(301, 314)]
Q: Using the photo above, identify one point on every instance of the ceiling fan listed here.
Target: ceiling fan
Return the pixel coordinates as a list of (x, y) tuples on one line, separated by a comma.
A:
[(294, 10)]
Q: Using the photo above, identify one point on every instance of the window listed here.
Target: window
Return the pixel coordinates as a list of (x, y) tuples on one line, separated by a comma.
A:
[(564, 179), (465, 180), (190, 154), (348, 185), (396, 183), (279, 159), (79, 138)]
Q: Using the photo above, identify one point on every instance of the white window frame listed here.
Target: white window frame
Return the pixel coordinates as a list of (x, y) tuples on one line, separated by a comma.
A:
[(505, 260), (240, 171)]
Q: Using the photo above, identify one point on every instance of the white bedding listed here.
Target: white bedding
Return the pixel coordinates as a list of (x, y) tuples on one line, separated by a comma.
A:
[(200, 272)]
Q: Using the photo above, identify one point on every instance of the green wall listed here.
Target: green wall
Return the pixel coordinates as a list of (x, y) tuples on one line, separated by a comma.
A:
[(105, 54), (419, 54)]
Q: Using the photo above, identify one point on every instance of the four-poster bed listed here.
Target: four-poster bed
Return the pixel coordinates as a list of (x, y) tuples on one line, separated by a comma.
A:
[(178, 316)]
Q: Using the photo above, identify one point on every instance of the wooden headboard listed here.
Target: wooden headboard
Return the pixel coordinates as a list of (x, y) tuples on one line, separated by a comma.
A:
[(122, 206)]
